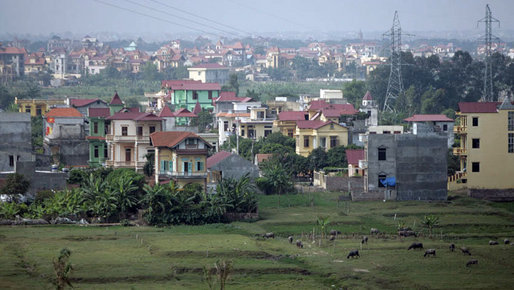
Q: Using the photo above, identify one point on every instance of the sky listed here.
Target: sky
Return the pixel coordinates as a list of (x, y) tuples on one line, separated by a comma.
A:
[(239, 18)]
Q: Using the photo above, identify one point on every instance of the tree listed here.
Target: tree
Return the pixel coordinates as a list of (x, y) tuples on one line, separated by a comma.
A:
[(354, 91), (149, 166), (15, 185), (336, 157), (37, 133), (149, 72), (5, 98), (252, 94), (125, 192), (430, 221), (62, 269), (203, 121), (318, 158)]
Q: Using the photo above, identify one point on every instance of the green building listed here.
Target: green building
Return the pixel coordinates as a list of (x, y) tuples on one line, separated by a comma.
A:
[(187, 93)]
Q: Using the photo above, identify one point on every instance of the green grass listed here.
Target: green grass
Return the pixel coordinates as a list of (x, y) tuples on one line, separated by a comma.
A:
[(146, 257)]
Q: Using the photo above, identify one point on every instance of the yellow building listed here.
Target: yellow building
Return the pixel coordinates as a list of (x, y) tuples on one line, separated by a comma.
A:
[(312, 134), (486, 151), (286, 122), (37, 107), (180, 156)]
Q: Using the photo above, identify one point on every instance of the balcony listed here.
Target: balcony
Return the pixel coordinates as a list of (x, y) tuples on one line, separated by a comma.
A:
[(125, 164), (128, 138), (459, 151), (460, 129), (186, 174)]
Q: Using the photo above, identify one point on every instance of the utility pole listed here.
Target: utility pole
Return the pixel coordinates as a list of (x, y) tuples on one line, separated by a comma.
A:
[(395, 84), (487, 93)]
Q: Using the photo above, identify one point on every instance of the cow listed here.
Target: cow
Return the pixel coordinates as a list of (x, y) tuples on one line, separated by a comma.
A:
[(353, 254), (299, 244), (452, 247), (334, 232), (364, 240), (506, 241), (472, 262), (465, 250), (416, 246), (290, 239), (374, 231), (493, 243), (429, 252), (269, 235)]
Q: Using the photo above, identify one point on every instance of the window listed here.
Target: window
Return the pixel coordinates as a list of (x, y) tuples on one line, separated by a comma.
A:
[(199, 166), (475, 121), (306, 116), (152, 129), (128, 155), (140, 131), (382, 154), (242, 132), (27, 110), (306, 141), (190, 141), (267, 132), (511, 121), (124, 131), (331, 126), (290, 133), (511, 143), (333, 141), (95, 127), (475, 143), (165, 165), (106, 129), (225, 125), (210, 95), (475, 166), (11, 160), (445, 127), (195, 95), (323, 142), (106, 152), (38, 110), (386, 132), (380, 178), (397, 132), (96, 152)]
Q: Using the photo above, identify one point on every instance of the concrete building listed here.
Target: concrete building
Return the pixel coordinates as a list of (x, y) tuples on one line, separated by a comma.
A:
[(486, 151), (15, 140), (429, 124), (12, 63), (406, 167), (186, 93), (312, 134), (37, 107), (209, 73), (332, 96), (229, 165)]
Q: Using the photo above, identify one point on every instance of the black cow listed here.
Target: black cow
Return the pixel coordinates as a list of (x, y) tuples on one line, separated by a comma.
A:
[(415, 246), (352, 254)]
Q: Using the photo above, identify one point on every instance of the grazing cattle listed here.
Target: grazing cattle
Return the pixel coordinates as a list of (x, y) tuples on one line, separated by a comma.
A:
[(269, 235), (331, 238), (429, 252), (374, 231), (353, 254), (452, 247), (493, 243), (472, 262), (290, 239), (415, 246), (299, 244), (407, 233), (364, 240), (506, 241), (334, 232), (465, 250)]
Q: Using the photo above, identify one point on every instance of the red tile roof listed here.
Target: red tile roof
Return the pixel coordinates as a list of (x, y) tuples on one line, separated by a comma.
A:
[(12, 50), (197, 109), (311, 124), (184, 113), (166, 112), (216, 158), (191, 85), (292, 116), (318, 105), (135, 116), (354, 155), (228, 94), (116, 100), (478, 107), (99, 112), (83, 102), (262, 157), (368, 96), (209, 65), (336, 110), (63, 112), (428, 118), (172, 138)]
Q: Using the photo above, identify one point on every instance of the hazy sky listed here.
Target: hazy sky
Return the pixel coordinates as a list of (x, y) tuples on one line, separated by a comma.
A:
[(243, 18)]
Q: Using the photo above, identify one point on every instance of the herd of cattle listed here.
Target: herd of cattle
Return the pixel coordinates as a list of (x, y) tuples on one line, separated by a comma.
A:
[(402, 233)]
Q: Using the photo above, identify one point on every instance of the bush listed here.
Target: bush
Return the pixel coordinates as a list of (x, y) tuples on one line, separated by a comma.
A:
[(15, 185)]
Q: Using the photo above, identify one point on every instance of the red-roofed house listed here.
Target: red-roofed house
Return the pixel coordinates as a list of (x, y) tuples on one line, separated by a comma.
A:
[(83, 105), (286, 121), (12, 63), (129, 138), (209, 73), (353, 156), (428, 123), (180, 156), (311, 134)]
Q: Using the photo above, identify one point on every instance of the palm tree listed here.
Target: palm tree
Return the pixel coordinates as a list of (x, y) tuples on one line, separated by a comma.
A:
[(323, 222), (430, 222), (125, 191)]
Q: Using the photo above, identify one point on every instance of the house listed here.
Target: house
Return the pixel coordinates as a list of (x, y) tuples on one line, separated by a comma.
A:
[(12, 63), (427, 124), (209, 73), (98, 128), (180, 156), (355, 157), (35, 63), (486, 151), (369, 106), (229, 165), (224, 103), (332, 96), (15, 140), (129, 138), (311, 134), (257, 126), (405, 167), (64, 137), (82, 105), (286, 122), (37, 107), (186, 93)]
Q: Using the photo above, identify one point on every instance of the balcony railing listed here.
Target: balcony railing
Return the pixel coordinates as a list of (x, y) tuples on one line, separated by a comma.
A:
[(460, 129), (130, 164), (128, 138), (182, 174), (459, 151)]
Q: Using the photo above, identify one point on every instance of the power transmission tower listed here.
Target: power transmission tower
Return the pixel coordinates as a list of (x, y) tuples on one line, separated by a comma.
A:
[(395, 84), (487, 94)]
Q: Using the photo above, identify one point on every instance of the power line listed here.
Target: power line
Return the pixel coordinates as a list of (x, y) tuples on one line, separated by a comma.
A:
[(201, 17), (154, 17), (177, 16)]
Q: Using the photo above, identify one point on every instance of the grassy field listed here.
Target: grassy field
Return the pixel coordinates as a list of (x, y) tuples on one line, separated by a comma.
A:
[(174, 257)]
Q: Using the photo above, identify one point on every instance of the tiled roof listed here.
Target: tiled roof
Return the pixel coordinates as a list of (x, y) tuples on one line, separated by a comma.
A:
[(216, 158), (116, 100), (262, 157), (63, 112), (292, 116), (12, 50), (166, 112), (135, 116), (336, 110), (172, 138), (99, 112), (428, 118), (478, 107), (191, 85), (83, 102), (184, 113), (311, 124), (354, 155), (318, 105), (209, 65), (368, 96)]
